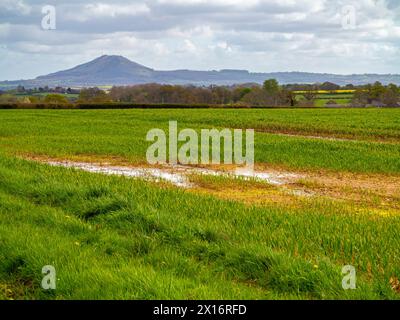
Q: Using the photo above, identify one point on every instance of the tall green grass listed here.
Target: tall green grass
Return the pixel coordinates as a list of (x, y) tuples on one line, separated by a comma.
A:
[(111, 237)]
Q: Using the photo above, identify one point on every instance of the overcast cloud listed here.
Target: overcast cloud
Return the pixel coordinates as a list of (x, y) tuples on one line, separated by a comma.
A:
[(257, 35)]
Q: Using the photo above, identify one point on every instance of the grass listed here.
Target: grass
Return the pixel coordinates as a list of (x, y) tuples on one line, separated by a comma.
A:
[(121, 134), (110, 237), (327, 92), (341, 97), (116, 238), (334, 96), (324, 102)]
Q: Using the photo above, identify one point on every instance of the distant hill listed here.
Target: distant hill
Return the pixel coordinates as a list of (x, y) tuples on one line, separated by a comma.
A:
[(117, 70), (114, 69)]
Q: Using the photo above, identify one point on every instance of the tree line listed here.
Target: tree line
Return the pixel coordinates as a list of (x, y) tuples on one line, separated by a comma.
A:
[(270, 94)]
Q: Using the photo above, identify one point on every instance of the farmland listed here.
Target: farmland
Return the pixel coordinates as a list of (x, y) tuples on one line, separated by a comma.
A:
[(323, 97), (112, 237)]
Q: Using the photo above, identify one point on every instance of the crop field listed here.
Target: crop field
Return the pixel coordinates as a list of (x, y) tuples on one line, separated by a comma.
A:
[(116, 237), (340, 97)]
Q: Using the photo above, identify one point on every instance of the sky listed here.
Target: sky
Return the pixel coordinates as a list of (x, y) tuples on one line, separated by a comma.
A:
[(325, 36)]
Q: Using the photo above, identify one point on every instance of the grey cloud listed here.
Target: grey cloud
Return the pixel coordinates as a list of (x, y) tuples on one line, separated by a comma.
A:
[(256, 34)]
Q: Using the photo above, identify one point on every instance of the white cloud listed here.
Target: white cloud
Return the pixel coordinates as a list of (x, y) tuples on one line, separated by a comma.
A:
[(189, 46), (101, 10), (18, 7), (259, 35)]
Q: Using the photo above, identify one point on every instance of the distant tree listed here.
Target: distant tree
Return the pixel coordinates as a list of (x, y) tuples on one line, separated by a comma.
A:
[(221, 95), (329, 86), (59, 90), (272, 87), (376, 91), (377, 95), (287, 98), (238, 94), (310, 95), (93, 95), (360, 98), (257, 97), (8, 98), (273, 90), (55, 99), (20, 89), (33, 99), (391, 96)]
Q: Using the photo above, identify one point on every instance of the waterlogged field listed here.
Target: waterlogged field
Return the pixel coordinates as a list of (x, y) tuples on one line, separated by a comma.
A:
[(114, 237)]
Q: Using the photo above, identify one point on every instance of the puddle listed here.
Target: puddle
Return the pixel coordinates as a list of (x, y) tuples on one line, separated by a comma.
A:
[(343, 187), (151, 174), (177, 175)]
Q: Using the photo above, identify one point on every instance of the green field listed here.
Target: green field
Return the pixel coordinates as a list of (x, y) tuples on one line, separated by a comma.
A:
[(111, 237), (122, 133), (321, 99), (323, 102)]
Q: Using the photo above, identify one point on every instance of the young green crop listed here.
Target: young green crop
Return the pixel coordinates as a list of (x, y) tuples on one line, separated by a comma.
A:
[(122, 133), (111, 237)]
